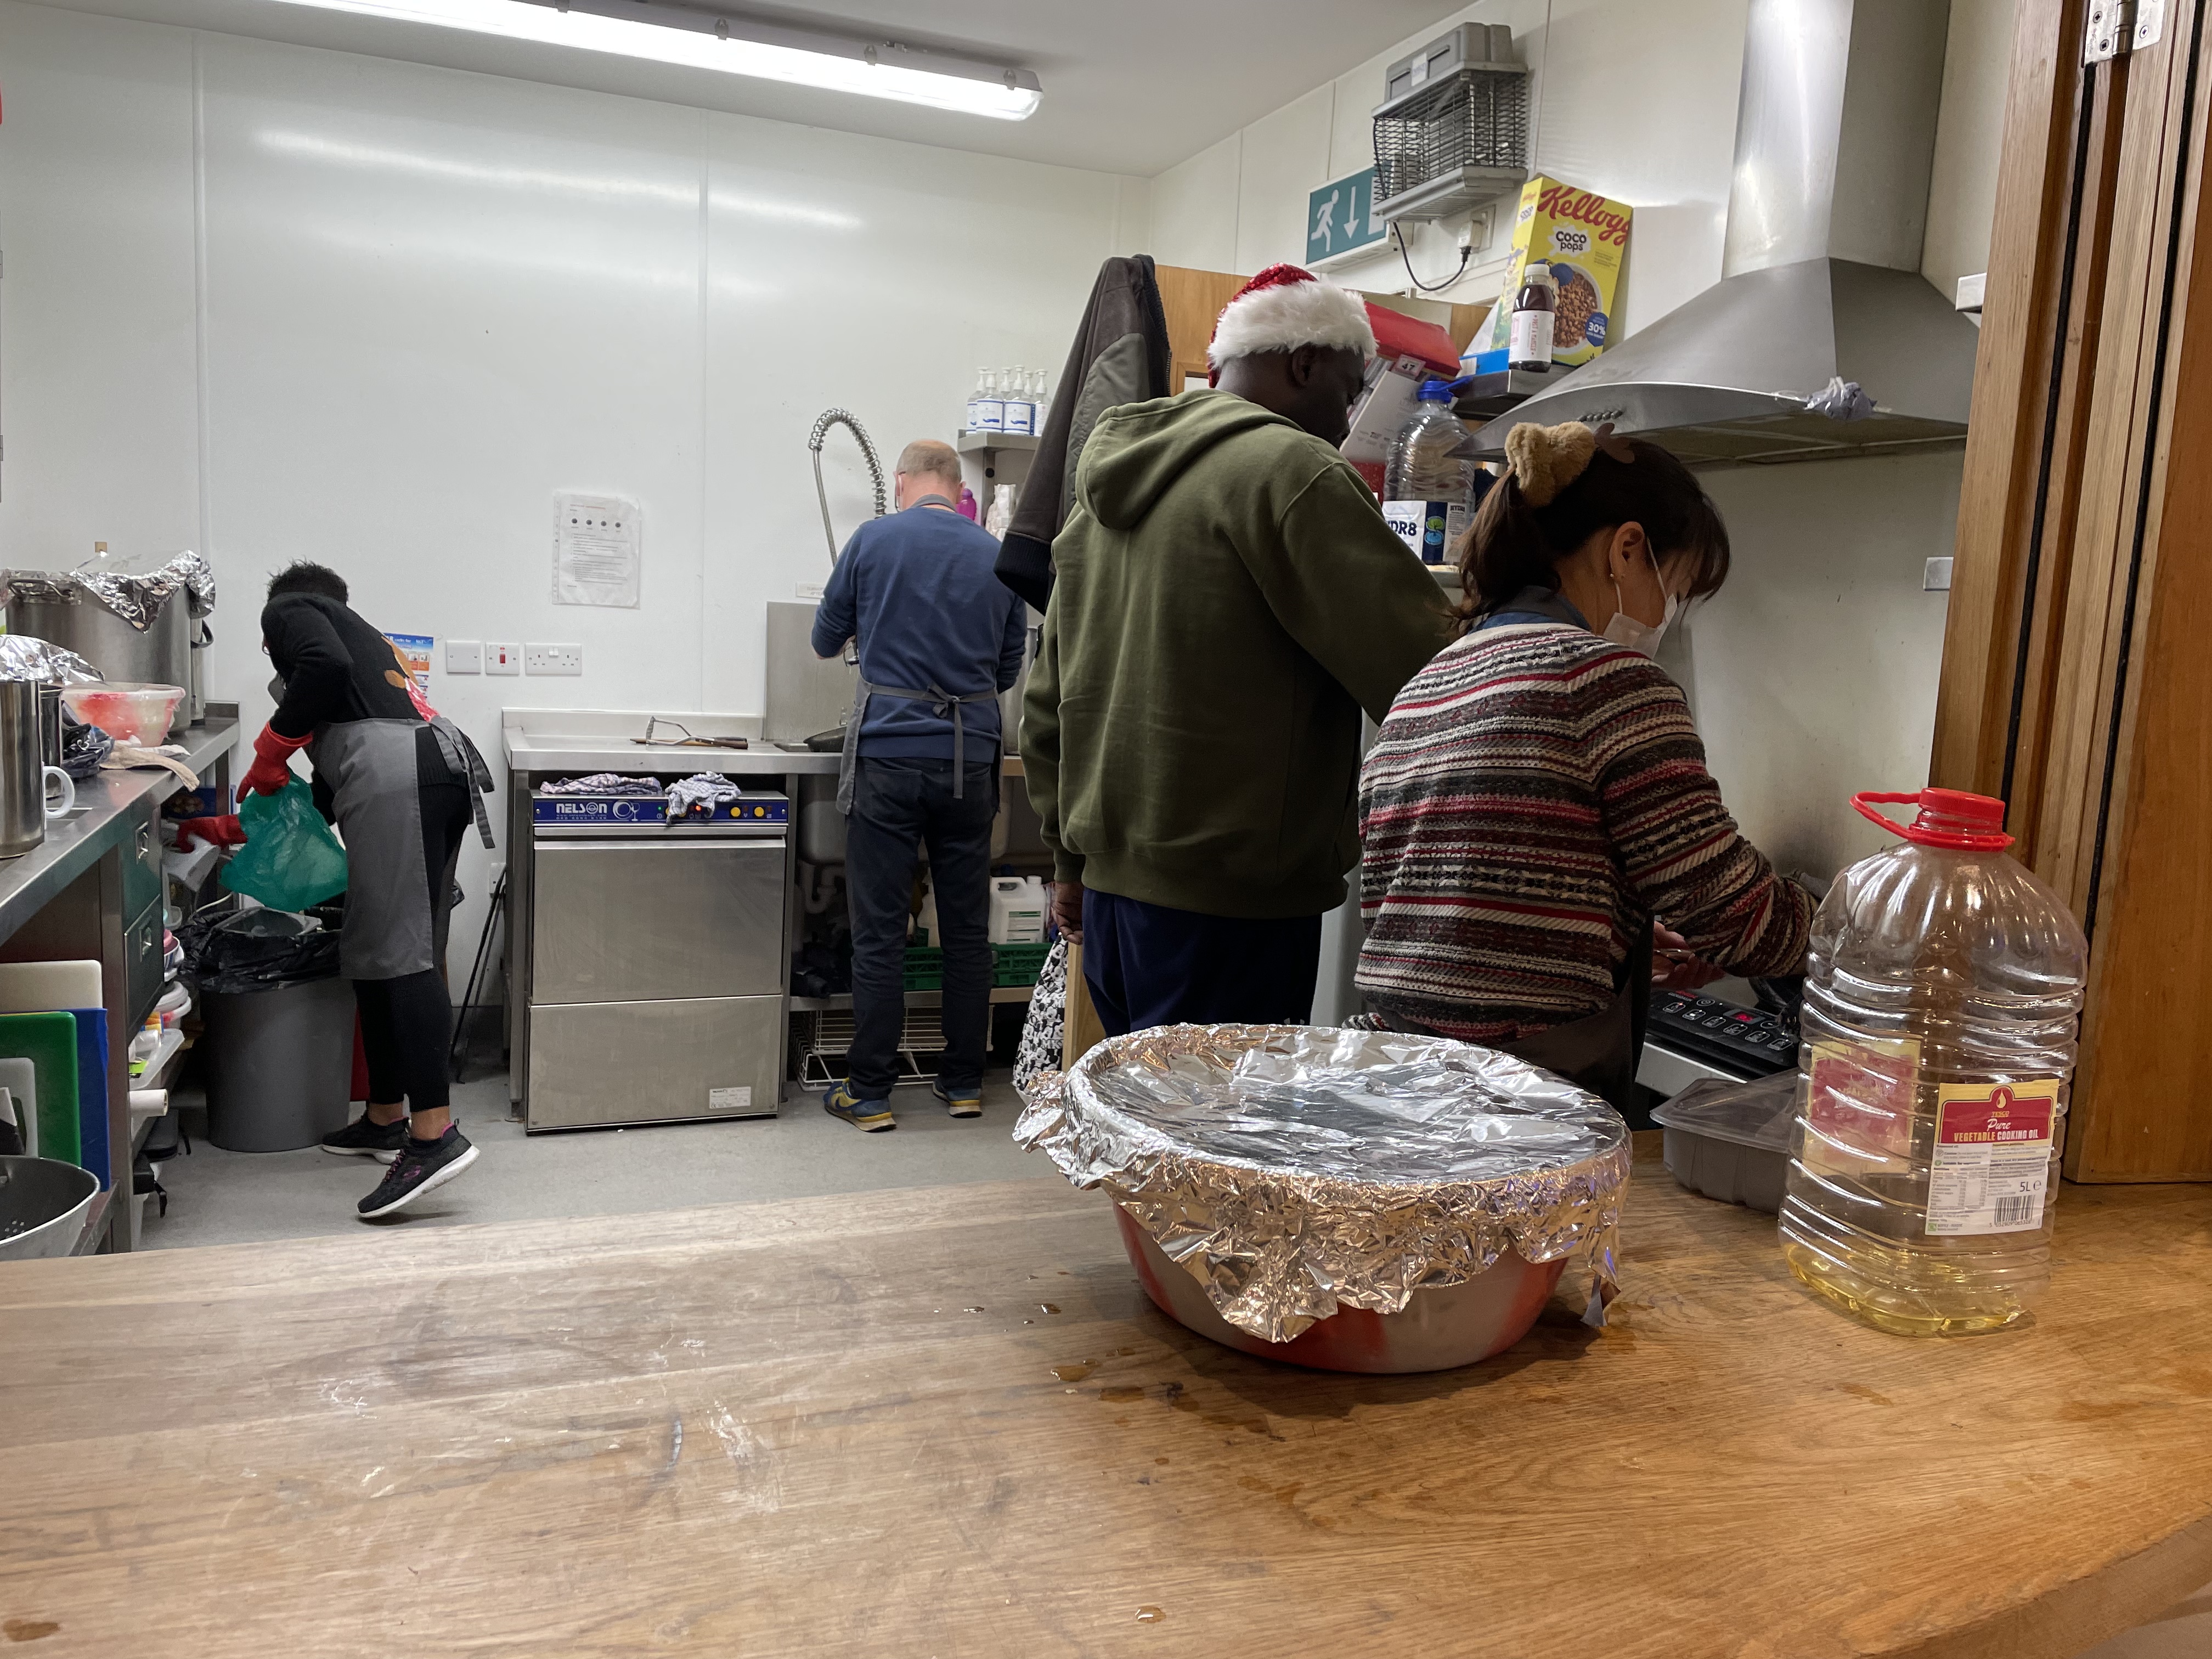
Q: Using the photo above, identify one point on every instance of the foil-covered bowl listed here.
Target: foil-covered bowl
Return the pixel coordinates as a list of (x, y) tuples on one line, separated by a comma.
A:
[(1294, 1174)]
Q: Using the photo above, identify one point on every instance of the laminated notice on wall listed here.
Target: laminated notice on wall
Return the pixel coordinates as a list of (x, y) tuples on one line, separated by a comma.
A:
[(595, 550)]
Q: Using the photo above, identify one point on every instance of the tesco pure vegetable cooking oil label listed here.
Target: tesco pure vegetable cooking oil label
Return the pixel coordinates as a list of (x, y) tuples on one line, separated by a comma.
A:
[(1993, 1163), (1858, 1106)]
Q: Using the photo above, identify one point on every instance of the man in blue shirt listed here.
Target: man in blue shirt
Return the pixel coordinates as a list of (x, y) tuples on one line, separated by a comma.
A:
[(939, 638)]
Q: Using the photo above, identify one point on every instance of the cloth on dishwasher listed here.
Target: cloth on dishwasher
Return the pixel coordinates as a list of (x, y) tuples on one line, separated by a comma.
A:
[(706, 790), (601, 783)]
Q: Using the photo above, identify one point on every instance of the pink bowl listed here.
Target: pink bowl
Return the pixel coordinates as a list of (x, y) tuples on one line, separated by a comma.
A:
[(129, 711), (1439, 1330)]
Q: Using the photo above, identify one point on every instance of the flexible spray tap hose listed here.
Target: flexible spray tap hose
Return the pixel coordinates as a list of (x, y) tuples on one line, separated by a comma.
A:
[(846, 418)]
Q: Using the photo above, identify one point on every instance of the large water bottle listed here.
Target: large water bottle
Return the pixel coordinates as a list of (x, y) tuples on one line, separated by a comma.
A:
[(1432, 479), (1942, 996)]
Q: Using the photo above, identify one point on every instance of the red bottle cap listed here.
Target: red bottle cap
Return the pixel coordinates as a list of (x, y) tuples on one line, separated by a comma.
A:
[(1948, 817)]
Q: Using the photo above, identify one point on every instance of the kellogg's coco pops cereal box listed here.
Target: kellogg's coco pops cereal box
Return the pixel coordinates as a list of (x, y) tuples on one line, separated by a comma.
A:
[(1582, 237)]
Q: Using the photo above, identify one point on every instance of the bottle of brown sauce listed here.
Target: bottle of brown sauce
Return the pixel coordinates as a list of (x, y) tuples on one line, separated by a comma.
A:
[(1535, 309)]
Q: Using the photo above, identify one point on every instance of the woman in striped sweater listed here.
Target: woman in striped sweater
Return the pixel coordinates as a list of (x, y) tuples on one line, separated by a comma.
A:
[(1537, 805)]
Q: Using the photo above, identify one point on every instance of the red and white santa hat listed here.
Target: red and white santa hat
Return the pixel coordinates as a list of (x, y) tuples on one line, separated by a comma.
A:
[(1285, 307)]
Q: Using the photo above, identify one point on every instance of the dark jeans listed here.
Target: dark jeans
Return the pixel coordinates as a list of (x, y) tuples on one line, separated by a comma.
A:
[(898, 804), (1148, 965)]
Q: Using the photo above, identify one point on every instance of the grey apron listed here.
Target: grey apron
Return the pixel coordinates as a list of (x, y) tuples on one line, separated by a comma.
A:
[(375, 789)]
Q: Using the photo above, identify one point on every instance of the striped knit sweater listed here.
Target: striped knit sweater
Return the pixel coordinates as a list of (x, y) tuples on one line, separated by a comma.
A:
[(1537, 795)]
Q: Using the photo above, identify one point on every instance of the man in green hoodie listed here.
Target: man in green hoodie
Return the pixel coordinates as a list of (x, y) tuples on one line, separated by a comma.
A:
[(1228, 599)]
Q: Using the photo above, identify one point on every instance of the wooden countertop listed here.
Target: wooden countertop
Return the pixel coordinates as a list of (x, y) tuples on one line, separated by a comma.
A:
[(834, 1427)]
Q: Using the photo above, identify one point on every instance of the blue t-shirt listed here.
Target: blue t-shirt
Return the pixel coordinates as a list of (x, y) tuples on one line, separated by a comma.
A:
[(917, 589)]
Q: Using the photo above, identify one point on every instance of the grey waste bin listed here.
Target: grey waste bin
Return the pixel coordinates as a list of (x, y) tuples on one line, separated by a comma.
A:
[(279, 1065)]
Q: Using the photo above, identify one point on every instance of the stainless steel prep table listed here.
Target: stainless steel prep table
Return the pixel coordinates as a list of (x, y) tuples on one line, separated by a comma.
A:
[(543, 744), (93, 891)]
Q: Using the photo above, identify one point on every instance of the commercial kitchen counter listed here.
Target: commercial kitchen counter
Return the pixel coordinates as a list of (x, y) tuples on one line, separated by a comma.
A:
[(946, 1420), (92, 891)]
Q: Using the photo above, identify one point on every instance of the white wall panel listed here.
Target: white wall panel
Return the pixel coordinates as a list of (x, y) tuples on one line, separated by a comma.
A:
[(434, 300), (98, 384), (1962, 186), (1194, 209), (1285, 155), (816, 239), (376, 314), (1813, 672)]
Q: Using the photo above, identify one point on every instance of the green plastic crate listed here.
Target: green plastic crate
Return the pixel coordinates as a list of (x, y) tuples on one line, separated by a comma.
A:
[(925, 968), (1017, 965)]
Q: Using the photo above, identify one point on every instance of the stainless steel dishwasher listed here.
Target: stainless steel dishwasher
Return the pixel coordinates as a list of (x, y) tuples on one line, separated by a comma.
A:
[(657, 962)]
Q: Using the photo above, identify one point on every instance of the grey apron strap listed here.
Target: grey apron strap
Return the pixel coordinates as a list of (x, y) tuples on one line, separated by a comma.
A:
[(467, 765), (941, 700), (848, 755)]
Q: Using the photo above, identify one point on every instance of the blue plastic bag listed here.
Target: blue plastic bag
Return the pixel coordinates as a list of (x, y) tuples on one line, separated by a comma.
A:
[(291, 859)]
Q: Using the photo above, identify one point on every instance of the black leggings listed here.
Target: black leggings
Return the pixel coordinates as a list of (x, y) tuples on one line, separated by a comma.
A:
[(407, 1022), (405, 1026)]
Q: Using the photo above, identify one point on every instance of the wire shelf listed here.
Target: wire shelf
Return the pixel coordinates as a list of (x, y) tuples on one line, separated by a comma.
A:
[(1475, 120)]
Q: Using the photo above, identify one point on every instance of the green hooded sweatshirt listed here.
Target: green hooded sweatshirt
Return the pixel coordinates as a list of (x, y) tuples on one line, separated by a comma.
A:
[(1228, 599)]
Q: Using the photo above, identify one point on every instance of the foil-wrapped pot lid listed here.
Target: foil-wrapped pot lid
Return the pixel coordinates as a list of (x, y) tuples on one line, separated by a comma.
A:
[(1294, 1169), (22, 657), (134, 589)]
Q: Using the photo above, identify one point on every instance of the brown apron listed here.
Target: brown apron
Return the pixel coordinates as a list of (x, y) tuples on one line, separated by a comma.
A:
[(1600, 1052)]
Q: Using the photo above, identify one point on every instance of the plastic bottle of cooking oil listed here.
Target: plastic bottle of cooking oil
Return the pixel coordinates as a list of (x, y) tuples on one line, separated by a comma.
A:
[(1942, 994)]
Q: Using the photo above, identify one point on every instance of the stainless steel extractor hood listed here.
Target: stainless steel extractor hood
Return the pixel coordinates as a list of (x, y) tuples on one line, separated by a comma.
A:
[(1821, 277)]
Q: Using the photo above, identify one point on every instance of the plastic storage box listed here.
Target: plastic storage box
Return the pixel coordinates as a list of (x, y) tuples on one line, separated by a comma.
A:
[(1731, 1140)]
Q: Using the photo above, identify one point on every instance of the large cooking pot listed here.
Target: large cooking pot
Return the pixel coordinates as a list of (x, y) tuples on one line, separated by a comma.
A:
[(133, 626)]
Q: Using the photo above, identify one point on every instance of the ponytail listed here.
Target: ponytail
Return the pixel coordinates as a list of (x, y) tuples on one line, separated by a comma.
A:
[(1566, 483)]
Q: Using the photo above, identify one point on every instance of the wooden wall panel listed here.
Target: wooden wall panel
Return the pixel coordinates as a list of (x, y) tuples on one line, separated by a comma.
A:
[(1192, 300), (2021, 315), (2145, 1086), (2076, 680), (2151, 87)]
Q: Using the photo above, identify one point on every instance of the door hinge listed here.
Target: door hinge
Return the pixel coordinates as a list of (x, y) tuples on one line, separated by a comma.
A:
[(2116, 27)]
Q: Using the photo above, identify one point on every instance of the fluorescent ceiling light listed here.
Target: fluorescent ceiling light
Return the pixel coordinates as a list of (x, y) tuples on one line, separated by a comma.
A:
[(667, 32)]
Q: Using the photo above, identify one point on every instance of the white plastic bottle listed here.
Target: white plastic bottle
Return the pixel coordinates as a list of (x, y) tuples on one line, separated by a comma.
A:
[(990, 403), (972, 421), (1018, 909), (1021, 413), (1943, 998), (1043, 399)]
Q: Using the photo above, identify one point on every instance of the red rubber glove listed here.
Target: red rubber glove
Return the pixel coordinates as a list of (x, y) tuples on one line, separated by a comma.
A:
[(272, 763), (215, 832)]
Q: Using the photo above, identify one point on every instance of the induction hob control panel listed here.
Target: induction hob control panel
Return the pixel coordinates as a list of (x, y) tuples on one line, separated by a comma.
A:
[(1745, 1043)]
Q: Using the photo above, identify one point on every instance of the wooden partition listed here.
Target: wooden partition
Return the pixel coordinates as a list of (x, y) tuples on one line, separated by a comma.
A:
[(2077, 671)]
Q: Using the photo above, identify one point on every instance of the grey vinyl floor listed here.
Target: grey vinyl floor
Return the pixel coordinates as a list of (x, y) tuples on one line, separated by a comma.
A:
[(217, 1197)]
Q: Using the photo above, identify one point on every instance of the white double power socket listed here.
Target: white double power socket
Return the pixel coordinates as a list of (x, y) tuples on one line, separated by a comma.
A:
[(508, 657)]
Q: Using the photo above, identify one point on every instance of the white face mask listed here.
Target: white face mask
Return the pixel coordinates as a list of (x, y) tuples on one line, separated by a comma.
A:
[(1625, 629)]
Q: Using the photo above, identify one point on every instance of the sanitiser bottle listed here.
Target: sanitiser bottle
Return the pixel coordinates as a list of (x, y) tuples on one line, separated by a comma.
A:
[(1943, 998)]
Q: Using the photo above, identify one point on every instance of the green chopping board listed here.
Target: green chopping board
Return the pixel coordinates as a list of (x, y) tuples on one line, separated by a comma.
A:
[(49, 1042)]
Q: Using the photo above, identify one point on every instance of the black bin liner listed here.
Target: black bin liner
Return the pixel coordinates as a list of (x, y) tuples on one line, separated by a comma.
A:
[(256, 950)]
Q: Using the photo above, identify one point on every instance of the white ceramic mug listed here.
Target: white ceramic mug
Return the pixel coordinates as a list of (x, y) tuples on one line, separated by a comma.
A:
[(54, 774)]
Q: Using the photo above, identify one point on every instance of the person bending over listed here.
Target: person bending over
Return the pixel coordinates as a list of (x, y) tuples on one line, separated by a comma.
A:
[(400, 783)]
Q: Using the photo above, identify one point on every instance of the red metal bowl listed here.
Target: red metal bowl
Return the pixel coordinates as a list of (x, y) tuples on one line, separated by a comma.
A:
[(1439, 1330)]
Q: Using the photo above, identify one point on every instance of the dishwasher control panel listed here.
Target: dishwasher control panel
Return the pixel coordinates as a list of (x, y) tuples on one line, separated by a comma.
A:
[(757, 811)]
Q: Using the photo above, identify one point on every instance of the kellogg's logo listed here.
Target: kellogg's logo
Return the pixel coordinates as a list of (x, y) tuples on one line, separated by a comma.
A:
[(1565, 202)]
